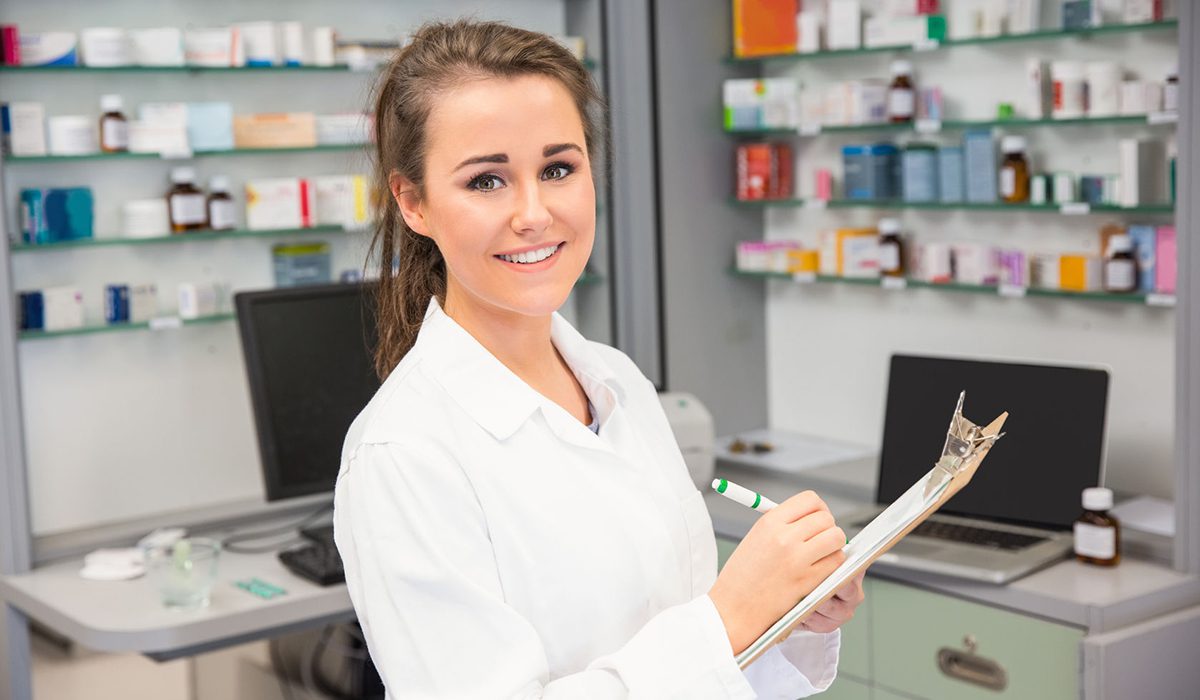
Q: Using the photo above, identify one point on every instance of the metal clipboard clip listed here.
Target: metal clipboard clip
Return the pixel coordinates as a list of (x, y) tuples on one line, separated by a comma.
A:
[(963, 440)]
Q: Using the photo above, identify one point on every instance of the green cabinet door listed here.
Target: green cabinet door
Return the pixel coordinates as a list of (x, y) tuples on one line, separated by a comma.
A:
[(847, 689), (921, 646)]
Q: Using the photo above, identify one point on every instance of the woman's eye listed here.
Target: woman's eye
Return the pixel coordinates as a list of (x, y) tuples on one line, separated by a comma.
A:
[(484, 183), (557, 171)]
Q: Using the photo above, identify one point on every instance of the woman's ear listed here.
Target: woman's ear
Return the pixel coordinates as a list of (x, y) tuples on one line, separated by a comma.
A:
[(405, 194)]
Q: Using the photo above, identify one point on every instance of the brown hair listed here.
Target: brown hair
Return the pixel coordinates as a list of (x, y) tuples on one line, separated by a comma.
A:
[(440, 56)]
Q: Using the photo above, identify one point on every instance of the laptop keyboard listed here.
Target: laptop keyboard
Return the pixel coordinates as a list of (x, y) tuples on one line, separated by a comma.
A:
[(983, 537)]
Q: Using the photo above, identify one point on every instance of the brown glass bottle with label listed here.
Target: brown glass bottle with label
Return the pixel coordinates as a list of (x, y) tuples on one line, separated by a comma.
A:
[(1097, 534), (186, 203)]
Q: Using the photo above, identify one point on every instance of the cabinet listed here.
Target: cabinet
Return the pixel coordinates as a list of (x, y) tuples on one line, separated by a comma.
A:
[(158, 412)]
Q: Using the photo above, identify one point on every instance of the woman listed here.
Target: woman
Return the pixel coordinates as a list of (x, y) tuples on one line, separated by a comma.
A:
[(513, 513)]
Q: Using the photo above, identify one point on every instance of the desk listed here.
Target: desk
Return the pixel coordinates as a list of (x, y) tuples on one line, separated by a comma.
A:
[(124, 616)]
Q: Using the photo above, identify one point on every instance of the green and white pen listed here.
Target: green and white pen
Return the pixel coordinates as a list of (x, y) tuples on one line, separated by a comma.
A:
[(745, 496)]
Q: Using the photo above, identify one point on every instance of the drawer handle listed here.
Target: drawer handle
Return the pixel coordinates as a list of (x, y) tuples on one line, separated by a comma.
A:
[(968, 667)]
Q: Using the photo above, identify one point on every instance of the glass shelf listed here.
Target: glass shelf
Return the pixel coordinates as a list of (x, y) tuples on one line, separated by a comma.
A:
[(188, 156), (176, 69), (949, 43), (162, 323), (1152, 300), (933, 127), (1072, 209), (588, 63), (175, 238), (174, 322)]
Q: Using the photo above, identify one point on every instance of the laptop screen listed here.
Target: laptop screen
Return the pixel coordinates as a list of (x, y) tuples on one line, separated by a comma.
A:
[(1052, 450)]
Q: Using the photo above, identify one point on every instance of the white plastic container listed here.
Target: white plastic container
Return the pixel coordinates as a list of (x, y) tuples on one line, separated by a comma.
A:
[(211, 48), (258, 42), (145, 218), (105, 47), (1070, 89), (73, 135), (162, 46), (323, 46), (1103, 89), (292, 38)]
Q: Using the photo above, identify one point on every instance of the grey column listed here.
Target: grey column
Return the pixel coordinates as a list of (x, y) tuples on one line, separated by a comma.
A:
[(714, 323), (628, 61), (1187, 312), (15, 538)]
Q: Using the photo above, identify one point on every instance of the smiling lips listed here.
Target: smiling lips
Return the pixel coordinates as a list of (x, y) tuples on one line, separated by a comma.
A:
[(532, 259)]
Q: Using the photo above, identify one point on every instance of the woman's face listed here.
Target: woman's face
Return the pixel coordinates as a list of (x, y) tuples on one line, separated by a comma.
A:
[(508, 194)]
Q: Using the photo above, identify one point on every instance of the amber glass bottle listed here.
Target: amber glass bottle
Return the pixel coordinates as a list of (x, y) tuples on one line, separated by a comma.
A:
[(185, 202), (1097, 534), (902, 94), (1014, 170)]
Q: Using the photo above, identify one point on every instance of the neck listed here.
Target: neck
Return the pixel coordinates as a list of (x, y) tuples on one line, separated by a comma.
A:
[(521, 343)]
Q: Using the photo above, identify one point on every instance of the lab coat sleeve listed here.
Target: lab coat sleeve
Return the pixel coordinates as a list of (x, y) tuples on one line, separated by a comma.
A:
[(422, 576)]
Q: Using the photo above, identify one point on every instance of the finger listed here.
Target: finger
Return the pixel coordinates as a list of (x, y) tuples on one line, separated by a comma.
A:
[(817, 622), (836, 609), (812, 524), (798, 506), (853, 591)]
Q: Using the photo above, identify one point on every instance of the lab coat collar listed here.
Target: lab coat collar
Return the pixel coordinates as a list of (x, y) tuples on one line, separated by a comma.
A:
[(492, 394)]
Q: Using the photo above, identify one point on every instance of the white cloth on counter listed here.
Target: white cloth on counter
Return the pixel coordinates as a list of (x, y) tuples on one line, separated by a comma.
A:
[(495, 547)]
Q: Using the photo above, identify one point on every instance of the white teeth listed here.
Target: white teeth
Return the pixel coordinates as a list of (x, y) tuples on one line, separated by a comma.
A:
[(532, 256)]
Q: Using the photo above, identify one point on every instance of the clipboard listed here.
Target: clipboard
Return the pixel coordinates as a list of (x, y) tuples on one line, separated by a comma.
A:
[(966, 446)]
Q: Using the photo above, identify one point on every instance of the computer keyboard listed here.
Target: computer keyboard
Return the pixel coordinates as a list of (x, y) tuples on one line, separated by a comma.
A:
[(976, 535), (319, 563)]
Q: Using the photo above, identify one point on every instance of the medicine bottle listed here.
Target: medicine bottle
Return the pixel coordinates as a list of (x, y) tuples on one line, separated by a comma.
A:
[(891, 249), (221, 216), (1014, 170), (185, 202), (1171, 91), (1120, 268), (902, 99), (1097, 534), (114, 128)]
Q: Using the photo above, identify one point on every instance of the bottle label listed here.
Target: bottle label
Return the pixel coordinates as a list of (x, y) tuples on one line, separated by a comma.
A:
[(187, 209), (901, 103), (889, 257), (1095, 541), (115, 135), (1008, 182), (1120, 275), (220, 215)]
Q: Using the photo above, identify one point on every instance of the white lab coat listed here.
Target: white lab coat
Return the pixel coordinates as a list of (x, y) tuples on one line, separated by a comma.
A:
[(496, 548)]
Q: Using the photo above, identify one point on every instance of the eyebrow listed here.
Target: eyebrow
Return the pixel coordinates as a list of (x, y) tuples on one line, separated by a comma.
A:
[(548, 151)]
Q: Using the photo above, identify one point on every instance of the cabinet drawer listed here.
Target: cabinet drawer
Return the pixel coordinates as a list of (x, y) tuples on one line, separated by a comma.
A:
[(847, 689), (916, 634)]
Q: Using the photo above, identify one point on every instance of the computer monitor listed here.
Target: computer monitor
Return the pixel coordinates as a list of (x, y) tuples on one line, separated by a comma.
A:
[(308, 353), (1052, 450)]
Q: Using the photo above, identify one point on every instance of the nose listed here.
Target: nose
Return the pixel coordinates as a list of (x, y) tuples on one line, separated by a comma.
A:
[(530, 214)]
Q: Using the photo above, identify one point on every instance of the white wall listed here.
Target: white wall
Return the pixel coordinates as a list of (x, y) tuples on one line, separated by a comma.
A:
[(827, 345), (126, 425)]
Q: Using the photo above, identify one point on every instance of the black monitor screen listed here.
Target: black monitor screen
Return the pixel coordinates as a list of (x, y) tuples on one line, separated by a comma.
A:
[(308, 361), (1052, 450)]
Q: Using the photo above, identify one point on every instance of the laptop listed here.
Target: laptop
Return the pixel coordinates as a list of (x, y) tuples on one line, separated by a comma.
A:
[(1016, 515)]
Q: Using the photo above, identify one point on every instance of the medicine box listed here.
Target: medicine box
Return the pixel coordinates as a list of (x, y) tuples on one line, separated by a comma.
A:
[(1044, 271), (883, 30), (844, 30), (62, 308), (343, 129), (341, 200), (279, 203), (24, 128), (979, 163), (764, 28), (278, 130), (919, 173), (1145, 242), (1164, 260), (1080, 273), (858, 252), (975, 264), (950, 174), (210, 126), (198, 299), (871, 172), (56, 214), (301, 264)]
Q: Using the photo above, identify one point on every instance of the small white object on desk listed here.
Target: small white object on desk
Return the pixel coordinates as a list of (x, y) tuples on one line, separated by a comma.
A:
[(789, 452), (113, 564)]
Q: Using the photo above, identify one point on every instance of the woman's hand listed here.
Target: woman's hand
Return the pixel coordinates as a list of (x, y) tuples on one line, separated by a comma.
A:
[(785, 555), (838, 610)]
